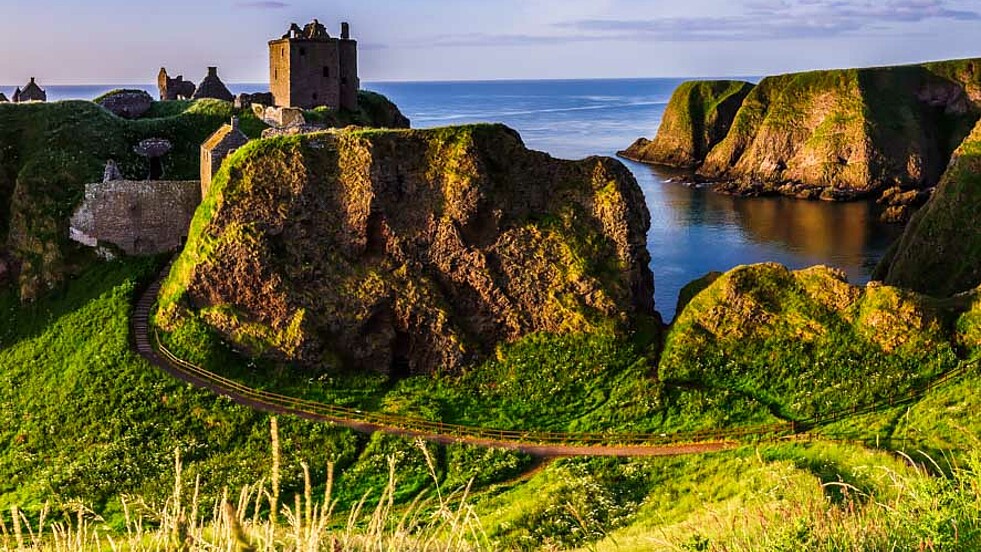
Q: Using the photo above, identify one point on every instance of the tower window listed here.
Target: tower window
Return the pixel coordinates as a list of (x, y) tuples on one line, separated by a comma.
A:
[(327, 72), (314, 96), (303, 51), (343, 80)]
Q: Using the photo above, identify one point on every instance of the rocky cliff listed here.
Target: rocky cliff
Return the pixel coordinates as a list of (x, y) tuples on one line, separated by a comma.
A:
[(697, 118), (410, 251), (792, 340), (835, 135), (940, 251)]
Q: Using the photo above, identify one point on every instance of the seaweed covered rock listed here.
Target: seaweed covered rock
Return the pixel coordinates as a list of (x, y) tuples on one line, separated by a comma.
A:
[(697, 118), (806, 343), (940, 251), (833, 135), (409, 251)]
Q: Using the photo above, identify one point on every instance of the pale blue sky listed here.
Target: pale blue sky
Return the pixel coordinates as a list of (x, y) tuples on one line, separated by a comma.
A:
[(126, 41)]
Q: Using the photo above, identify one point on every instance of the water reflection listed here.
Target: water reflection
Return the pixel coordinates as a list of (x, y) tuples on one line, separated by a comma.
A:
[(695, 231)]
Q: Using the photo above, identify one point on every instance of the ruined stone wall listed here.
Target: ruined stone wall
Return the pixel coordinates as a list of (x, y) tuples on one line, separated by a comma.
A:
[(140, 218), (350, 83)]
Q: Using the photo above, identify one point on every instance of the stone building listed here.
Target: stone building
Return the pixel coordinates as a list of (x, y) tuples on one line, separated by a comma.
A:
[(308, 68), (216, 148), (139, 218), (3, 98), (212, 87), (174, 89), (30, 93)]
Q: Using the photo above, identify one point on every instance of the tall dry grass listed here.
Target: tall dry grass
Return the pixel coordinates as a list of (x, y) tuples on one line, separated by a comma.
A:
[(256, 519)]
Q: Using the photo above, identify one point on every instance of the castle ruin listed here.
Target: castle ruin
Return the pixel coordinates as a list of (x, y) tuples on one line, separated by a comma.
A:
[(308, 68)]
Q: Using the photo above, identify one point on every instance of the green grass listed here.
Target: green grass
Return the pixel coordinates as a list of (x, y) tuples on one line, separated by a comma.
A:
[(85, 418), (806, 343)]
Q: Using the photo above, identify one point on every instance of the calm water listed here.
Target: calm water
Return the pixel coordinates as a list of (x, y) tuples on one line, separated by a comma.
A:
[(692, 231)]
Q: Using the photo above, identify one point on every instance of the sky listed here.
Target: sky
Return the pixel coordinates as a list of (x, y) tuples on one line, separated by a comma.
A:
[(127, 41)]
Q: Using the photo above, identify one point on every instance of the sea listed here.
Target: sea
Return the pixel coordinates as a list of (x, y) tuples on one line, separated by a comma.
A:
[(693, 231)]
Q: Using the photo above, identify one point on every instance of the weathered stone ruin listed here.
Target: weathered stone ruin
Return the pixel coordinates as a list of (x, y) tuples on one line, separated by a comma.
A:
[(308, 68), (112, 172), (279, 117), (212, 87), (216, 148), (30, 93), (3, 98), (245, 101), (154, 149), (128, 104), (138, 218), (174, 89)]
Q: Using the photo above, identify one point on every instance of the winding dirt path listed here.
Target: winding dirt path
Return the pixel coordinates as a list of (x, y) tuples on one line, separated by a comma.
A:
[(147, 344)]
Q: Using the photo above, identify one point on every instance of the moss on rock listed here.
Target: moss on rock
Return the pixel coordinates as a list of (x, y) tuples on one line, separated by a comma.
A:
[(806, 342), (410, 250), (834, 135), (940, 251), (697, 118)]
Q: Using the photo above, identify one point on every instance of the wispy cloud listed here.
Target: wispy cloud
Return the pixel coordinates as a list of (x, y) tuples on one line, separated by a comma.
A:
[(781, 19), (263, 5), (760, 20)]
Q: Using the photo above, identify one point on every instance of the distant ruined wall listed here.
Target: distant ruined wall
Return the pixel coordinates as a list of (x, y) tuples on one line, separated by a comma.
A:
[(140, 218)]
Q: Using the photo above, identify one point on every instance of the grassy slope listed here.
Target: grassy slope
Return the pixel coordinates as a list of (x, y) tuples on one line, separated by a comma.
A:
[(806, 343)]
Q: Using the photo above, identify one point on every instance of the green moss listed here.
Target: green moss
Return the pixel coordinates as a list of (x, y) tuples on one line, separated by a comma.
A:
[(805, 343), (697, 117)]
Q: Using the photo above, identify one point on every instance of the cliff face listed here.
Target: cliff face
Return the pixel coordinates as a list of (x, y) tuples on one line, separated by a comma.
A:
[(940, 251), (792, 339), (410, 251), (840, 134), (697, 118)]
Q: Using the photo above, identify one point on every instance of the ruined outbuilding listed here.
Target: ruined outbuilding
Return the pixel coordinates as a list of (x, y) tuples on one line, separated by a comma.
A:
[(216, 148), (308, 68), (30, 93), (212, 87), (174, 89), (138, 218), (3, 98)]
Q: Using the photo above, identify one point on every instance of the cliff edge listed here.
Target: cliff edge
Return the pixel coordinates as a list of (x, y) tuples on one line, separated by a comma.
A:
[(697, 118), (940, 250), (833, 135), (409, 252)]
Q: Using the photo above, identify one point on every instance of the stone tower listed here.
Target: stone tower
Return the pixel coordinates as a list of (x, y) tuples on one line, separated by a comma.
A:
[(308, 68)]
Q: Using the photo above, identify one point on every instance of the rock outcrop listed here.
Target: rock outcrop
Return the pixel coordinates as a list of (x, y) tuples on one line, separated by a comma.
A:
[(940, 250), (410, 251), (128, 104), (697, 118), (833, 135), (794, 338)]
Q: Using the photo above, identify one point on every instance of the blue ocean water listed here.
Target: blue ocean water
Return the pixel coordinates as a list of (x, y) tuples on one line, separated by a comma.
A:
[(692, 231)]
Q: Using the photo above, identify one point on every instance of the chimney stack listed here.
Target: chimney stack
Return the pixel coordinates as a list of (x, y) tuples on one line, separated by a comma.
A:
[(345, 31), (212, 71)]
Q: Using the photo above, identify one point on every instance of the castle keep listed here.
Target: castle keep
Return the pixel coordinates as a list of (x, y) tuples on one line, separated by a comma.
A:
[(308, 68)]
